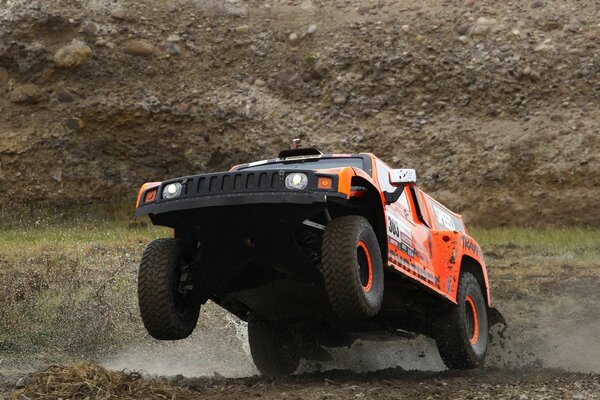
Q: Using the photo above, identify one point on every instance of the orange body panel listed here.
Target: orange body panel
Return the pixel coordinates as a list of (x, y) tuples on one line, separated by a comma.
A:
[(145, 187)]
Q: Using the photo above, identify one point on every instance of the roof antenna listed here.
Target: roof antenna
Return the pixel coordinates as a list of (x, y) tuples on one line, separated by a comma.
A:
[(296, 143)]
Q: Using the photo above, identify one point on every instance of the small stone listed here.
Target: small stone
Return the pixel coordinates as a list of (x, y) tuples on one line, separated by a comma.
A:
[(173, 49), (65, 96), (140, 48), (405, 28), (482, 26), (307, 5), (537, 4), (340, 99), (73, 55), (173, 38), (420, 38), (27, 93), (260, 83), (56, 175), (242, 29), (468, 3), (463, 29), (312, 29), (543, 47), (363, 9), (523, 397), (463, 39), (75, 124), (294, 39), (20, 383), (119, 13), (90, 28)]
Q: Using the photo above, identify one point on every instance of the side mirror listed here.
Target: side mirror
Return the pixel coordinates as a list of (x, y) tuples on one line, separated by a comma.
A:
[(403, 176)]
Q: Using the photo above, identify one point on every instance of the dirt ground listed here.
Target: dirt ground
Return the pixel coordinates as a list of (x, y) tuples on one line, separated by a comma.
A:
[(543, 281), (94, 382)]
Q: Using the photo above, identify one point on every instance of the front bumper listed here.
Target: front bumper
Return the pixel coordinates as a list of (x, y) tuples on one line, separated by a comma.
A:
[(238, 188)]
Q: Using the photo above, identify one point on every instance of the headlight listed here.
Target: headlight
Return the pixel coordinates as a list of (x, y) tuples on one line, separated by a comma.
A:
[(172, 190), (296, 181)]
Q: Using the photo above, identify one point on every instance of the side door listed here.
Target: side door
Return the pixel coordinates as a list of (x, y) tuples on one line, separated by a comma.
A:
[(409, 249)]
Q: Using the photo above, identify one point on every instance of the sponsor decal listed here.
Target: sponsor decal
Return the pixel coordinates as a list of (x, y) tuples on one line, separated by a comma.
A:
[(400, 236), (293, 158), (444, 219), (400, 262), (471, 245)]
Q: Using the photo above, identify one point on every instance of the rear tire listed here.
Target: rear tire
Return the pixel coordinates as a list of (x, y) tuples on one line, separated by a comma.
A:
[(352, 268), (462, 333), (273, 347), (166, 311)]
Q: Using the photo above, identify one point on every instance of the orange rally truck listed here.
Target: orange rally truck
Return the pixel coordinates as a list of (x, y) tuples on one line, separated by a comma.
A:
[(314, 250)]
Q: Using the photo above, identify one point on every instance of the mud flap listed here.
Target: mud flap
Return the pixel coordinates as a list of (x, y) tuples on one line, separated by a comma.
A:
[(496, 318)]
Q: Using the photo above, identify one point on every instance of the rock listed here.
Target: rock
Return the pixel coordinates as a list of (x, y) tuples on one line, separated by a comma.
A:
[(463, 29), (405, 28), (537, 4), (312, 29), (532, 74), (240, 11), (173, 49), (27, 93), (340, 99), (73, 55), (119, 13), (20, 383), (65, 96), (75, 124), (242, 29), (363, 9), (140, 48), (260, 83), (468, 3), (307, 5), (463, 39), (173, 38), (294, 39), (482, 26), (90, 28), (56, 175), (543, 47)]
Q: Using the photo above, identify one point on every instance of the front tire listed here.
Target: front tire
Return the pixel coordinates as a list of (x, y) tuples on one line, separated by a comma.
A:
[(168, 307), (273, 347), (352, 268), (462, 333)]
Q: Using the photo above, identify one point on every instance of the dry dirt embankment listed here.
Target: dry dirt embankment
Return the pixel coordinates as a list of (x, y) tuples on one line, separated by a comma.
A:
[(494, 103)]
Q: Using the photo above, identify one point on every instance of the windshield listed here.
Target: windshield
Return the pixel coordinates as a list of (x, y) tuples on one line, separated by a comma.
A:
[(312, 163)]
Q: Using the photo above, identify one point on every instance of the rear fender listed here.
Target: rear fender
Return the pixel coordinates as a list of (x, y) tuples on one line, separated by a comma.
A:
[(454, 252)]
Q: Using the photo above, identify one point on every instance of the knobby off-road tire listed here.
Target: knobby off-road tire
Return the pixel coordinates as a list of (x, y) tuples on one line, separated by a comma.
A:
[(273, 347), (352, 268), (166, 313), (462, 333)]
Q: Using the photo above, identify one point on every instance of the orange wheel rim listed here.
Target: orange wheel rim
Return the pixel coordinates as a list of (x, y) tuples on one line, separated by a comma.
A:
[(369, 284), (475, 325)]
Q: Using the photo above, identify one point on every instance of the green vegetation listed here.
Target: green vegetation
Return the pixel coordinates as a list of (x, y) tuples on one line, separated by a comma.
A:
[(540, 248)]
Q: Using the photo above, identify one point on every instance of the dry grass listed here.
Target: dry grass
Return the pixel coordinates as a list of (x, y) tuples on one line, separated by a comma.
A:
[(87, 381)]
